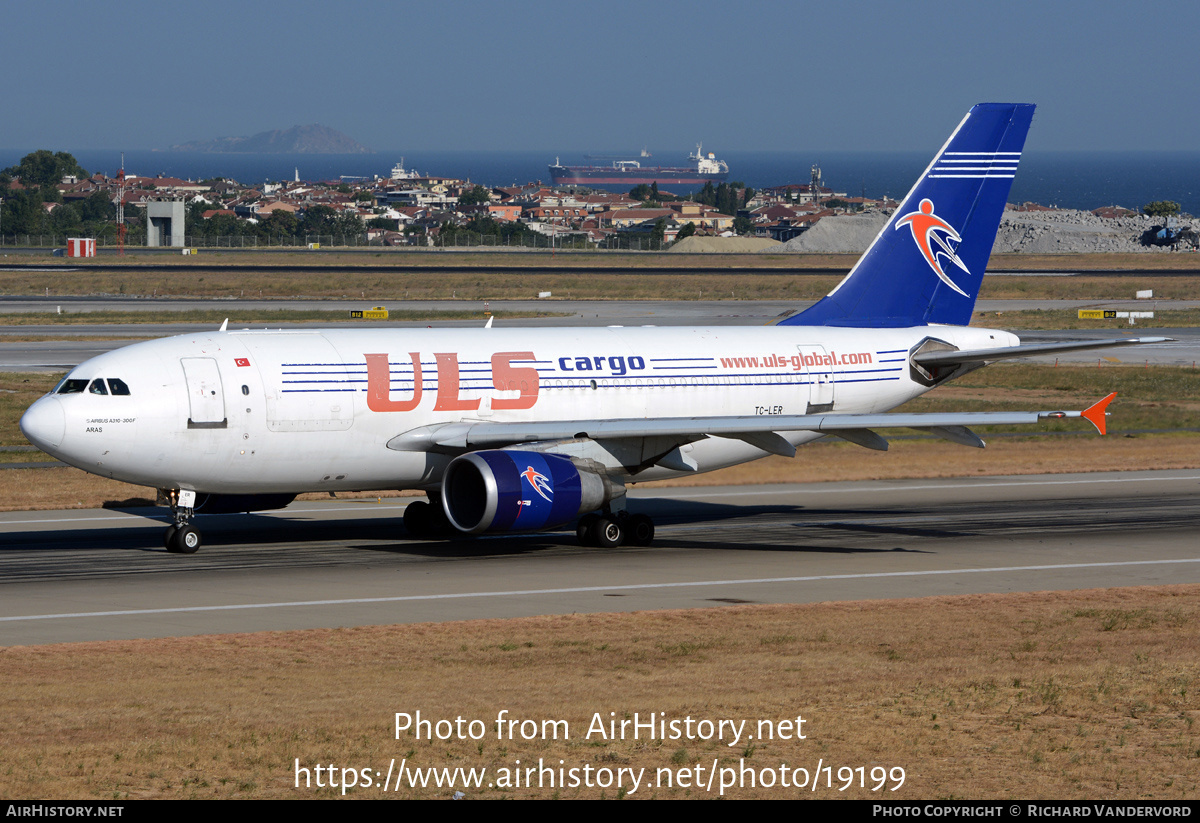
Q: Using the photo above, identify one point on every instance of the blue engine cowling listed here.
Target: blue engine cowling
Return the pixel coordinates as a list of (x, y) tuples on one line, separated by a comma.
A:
[(502, 490)]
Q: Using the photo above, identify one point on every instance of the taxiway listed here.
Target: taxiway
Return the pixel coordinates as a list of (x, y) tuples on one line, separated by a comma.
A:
[(100, 575)]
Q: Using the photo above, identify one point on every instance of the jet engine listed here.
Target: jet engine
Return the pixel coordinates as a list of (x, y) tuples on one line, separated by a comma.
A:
[(503, 491)]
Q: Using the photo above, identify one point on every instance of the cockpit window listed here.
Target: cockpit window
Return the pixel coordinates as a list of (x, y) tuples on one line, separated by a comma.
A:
[(72, 386), (97, 386), (117, 386)]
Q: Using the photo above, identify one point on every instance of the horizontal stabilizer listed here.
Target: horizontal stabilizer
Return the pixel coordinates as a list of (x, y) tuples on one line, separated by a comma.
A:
[(954, 357)]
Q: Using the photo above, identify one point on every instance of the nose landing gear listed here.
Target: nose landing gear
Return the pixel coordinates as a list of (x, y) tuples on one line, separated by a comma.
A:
[(181, 537)]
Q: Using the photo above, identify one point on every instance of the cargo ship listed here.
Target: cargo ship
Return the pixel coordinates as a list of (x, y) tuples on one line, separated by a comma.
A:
[(627, 173)]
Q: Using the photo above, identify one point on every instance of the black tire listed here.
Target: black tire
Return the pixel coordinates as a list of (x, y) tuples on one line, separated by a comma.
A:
[(640, 530), (584, 530), (607, 533), (186, 540), (169, 538)]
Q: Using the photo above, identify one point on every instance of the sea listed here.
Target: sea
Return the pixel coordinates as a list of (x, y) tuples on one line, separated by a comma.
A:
[(1077, 180)]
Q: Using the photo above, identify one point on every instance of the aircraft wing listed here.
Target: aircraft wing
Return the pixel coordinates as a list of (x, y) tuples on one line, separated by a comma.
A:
[(761, 431), (954, 357)]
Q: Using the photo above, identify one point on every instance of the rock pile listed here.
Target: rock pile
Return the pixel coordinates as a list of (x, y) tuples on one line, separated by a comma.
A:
[(1058, 231)]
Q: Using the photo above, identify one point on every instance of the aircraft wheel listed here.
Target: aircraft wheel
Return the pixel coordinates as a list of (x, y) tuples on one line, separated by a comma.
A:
[(607, 533), (186, 540), (584, 530), (169, 537), (640, 529)]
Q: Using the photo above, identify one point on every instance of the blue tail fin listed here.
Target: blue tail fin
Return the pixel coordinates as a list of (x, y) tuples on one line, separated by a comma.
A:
[(928, 262)]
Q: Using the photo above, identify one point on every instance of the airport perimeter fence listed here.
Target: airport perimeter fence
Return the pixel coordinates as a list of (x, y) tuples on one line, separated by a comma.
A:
[(457, 240)]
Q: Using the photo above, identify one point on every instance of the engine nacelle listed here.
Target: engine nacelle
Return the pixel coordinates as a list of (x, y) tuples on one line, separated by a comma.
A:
[(502, 490)]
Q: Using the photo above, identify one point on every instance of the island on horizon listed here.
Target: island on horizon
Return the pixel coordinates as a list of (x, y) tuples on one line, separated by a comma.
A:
[(312, 139)]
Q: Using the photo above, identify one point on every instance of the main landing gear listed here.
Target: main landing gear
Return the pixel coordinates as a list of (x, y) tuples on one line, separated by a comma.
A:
[(607, 531), (424, 519), (181, 537)]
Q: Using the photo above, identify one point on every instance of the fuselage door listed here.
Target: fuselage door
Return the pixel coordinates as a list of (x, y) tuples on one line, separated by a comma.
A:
[(206, 398), (818, 365)]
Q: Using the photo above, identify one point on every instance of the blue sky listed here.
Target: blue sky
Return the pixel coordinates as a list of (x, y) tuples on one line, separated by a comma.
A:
[(410, 76)]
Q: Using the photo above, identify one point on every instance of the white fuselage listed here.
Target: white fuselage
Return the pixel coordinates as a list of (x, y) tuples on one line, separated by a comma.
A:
[(294, 411)]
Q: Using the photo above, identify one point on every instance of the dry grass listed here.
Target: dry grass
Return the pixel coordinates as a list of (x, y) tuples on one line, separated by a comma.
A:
[(1104, 261), (1064, 695), (1083, 287), (238, 316), (1055, 319), (379, 285), (569, 275), (830, 461)]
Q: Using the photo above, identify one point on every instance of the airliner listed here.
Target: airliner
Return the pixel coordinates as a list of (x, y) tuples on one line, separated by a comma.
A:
[(522, 430)]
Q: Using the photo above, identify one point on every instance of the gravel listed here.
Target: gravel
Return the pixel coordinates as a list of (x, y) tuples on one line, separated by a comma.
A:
[(1033, 232)]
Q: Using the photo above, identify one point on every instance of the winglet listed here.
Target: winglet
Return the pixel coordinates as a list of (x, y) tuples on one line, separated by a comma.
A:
[(1096, 414), (225, 325)]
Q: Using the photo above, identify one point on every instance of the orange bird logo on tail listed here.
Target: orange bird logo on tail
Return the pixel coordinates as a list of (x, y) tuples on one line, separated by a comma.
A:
[(925, 227)]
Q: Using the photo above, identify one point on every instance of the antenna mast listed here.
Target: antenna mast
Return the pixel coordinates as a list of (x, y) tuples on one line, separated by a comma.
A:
[(121, 208)]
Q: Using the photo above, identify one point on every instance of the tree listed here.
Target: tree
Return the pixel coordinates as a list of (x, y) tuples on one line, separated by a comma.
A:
[(743, 225), (707, 195), (477, 196), (318, 220), (46, 169), (22, 213), (726, 199), (1161, 208), (280, 223), (659, 231), (98, 206), (65, 220), (687, 231)]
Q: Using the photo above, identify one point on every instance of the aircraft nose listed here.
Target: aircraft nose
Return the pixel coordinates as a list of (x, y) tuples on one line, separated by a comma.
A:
[(44, 423)]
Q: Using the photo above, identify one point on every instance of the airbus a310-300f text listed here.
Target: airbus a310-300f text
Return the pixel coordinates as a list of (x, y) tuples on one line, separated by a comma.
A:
[(520, 429)]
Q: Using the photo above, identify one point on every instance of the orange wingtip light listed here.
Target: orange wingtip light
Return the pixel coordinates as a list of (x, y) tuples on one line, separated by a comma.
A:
[(1097, 414)]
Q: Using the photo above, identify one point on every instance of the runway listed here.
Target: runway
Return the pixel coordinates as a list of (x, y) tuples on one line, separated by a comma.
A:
[(98, 575)]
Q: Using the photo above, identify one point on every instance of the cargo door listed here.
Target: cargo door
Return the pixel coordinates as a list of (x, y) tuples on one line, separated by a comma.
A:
[(818, 365)]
